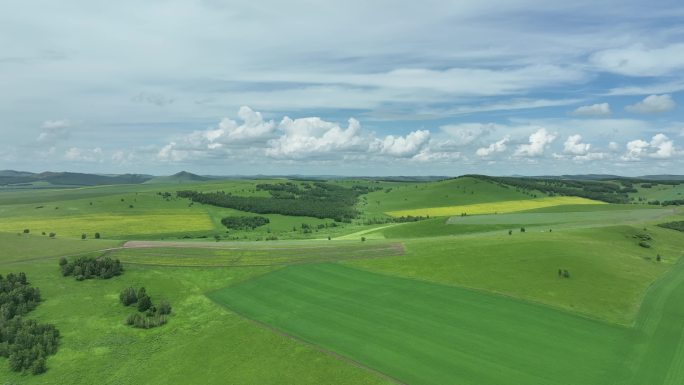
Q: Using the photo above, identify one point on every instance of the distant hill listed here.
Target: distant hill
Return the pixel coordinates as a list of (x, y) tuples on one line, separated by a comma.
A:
[(18, 178), (178, 178)]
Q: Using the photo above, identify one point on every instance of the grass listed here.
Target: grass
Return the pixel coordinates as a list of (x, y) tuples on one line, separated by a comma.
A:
[(494, 207), (424, 333), (610, 272), (257, 255), (200, 344), (451, 192)]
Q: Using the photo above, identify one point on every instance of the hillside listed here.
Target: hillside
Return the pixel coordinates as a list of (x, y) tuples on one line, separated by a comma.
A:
[(179, 178)]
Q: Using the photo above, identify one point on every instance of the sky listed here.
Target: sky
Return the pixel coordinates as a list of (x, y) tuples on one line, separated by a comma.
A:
[(514, 87)]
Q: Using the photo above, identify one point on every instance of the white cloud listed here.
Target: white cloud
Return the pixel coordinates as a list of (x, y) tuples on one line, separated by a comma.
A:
[(314, 136), (84, 155), (496, 147), (660, 147), (253, 127), (637, 60), (573, 146), (599, 109), (467, 133), (613, 146), (663, 146), (653, 104), (538, 142), (53, 131), (402, 146)]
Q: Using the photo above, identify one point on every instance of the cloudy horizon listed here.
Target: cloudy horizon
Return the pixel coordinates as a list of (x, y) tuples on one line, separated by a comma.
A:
[(494, 87)]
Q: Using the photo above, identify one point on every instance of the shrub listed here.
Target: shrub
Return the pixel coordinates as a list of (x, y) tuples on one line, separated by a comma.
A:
[(128, 296), (164, 307), (144, 303), (26, 231), (97, 235)]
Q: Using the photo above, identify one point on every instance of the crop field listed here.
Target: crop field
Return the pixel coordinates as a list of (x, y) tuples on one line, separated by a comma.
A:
[(494, 207), (430, 334)]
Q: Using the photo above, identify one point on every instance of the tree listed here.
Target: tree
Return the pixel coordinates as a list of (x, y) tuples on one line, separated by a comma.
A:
[(658, 258), (164, 307), (363, 239), (142, 292), (128, 296), (510, 232), (52, 235), (83, 236), (566, 274), (97, 235), (560, 273), (522, 229), (144, 303), (38, 366), (62, 261), (26, 231)]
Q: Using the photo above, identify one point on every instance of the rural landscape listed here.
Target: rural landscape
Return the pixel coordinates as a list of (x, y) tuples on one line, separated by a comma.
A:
[(211, 192), (466, 280)]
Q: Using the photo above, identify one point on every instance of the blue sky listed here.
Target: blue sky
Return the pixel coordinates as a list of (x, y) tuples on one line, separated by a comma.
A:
[(348, 88)]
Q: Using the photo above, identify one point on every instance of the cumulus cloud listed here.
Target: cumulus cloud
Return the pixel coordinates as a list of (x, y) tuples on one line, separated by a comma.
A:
[(538, 142), (653, 104), (660, 147), (84, 155), (53, 131), (314, 136), (637, 60), (402, 146), (253, 127), (496, 147), (573, 146), (599, 109)]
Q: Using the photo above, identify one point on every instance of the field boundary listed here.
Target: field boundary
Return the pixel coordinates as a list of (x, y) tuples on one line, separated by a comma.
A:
[(304, 342)]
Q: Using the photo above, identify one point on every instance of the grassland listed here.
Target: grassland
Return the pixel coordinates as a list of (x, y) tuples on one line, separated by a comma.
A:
[(444, 300)]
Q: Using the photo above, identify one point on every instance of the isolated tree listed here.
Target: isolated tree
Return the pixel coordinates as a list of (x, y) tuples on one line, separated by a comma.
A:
[(363, 239), (658, 258), (83, 236), (26, 231), (522, 229), (510, 232), (52, 235), (566, 274), (97, 235)]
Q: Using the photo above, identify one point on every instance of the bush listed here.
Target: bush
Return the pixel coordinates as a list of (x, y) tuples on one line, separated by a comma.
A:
[(128, 296), (97, 235), (26, 231), (144, 303), (164, 307)]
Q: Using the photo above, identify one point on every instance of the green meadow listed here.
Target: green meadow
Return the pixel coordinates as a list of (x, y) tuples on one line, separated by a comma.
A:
[(474, 299)]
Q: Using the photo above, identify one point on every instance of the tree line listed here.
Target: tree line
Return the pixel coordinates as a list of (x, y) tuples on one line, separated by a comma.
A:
[(90, 267), (26, 343)]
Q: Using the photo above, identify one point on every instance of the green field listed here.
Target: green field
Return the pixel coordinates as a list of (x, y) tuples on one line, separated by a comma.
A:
[(424, 333), (450, 299)]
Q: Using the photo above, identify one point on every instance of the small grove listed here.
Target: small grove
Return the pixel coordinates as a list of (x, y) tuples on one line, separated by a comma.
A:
[(26, 343), (244, 223), (90, 267), (148, 315)]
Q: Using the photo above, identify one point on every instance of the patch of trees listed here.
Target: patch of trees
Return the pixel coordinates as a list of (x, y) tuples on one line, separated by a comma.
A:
[(402, 219), (25, 343), (606, 191), (244, 223), (676, 225), (319, 200), (148, 315), (674, 202), (90, 267)]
